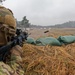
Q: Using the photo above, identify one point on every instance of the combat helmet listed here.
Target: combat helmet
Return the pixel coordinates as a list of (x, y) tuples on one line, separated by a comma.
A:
[(7, 25)]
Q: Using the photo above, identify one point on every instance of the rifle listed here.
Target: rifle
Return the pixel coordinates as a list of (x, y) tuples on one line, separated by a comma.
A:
[(17, 40)]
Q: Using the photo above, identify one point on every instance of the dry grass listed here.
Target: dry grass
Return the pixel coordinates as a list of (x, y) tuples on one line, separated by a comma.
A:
[(50, 60), (37, 33)]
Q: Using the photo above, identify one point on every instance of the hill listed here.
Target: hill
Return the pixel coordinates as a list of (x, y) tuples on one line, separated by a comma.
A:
[(70, 24)]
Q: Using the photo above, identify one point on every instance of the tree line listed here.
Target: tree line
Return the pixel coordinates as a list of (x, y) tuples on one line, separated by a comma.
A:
[(23, 23)]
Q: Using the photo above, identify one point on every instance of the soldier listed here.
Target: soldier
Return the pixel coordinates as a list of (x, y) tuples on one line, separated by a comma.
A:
[(8, 30)]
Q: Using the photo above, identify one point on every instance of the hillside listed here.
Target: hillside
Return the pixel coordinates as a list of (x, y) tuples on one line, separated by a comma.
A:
[(70, 24)]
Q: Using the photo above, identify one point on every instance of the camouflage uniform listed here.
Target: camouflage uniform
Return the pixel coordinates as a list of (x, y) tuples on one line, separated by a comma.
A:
[(13, 67), (8, 29)]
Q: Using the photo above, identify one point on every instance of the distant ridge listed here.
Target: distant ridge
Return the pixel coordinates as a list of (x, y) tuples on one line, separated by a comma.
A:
[(70, 24)]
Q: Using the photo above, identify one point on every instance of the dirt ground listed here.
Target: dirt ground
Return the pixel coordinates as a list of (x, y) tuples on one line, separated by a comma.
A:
[(37, 33)]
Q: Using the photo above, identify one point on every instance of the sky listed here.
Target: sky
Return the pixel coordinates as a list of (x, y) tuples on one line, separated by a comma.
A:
[(43, 12)]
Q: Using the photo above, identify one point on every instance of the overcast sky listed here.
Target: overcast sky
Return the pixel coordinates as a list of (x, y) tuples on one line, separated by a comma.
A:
[(43, 12)]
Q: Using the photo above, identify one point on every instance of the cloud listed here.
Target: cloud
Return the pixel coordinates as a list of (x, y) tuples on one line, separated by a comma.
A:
[(43, 12)]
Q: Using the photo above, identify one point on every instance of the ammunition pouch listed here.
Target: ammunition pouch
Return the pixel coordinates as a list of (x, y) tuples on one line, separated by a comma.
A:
[(6, 33)]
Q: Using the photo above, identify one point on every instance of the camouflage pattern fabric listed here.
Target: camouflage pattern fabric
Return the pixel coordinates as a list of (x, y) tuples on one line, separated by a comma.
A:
[(6, 17), (5, 69), (13, 67)]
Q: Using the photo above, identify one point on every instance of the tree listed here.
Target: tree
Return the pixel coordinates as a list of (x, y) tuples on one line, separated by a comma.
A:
[(25, 22)]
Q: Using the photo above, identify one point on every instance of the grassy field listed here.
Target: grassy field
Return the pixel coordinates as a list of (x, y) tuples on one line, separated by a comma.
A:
[(49, 60)]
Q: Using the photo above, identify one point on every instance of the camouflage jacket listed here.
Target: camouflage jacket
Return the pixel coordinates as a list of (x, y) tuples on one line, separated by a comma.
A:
[(13, 67)]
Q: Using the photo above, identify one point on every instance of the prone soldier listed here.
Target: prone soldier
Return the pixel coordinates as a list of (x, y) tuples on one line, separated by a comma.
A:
[(10, 61)]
